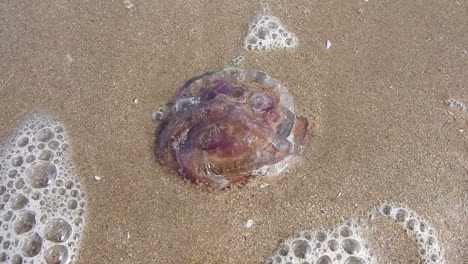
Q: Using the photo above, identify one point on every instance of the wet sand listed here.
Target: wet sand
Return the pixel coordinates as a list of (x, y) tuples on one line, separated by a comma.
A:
[(381, 129)]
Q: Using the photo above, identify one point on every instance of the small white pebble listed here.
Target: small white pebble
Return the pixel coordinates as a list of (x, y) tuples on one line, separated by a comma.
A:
[(461, 131), (97, 178), (135, 101), (340, 194), (69, 58), (366, 1), (264, 185), (249, 223), (328, 44), (127, 4)]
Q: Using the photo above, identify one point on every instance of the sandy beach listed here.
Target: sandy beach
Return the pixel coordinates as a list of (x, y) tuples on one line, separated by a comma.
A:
[(377, 100)]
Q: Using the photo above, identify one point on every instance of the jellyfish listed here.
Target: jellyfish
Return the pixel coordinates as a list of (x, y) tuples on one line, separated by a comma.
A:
[(226, 127)]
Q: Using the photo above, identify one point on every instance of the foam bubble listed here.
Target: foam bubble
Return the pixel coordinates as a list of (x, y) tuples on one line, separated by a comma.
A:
[(25, 222), (45, 134), (32, 245), (23, 141), (39, 175), (57, 230), (42, 212), (56, 254), (16, 259), (354, 260), (19, 201)]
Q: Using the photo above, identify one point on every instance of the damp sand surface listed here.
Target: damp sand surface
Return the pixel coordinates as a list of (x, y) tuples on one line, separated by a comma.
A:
[(377, 101)]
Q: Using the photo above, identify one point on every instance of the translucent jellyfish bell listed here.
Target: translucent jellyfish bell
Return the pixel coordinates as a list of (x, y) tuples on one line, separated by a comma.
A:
[(228, 126)]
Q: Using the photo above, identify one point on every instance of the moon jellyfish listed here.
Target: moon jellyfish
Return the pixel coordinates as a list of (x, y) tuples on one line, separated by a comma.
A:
[(226, 127)]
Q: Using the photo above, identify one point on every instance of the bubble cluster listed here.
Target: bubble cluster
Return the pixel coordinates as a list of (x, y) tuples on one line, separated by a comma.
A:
[(459, 105), (158, 113), (266, 32), (343, 244), (238, 60), (42, 203), (417, 228)]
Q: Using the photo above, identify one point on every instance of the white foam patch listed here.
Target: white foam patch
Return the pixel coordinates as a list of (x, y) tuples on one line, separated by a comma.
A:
[(343, 244), (417, 228), (459, 105), (266, 32), (42, 207)]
